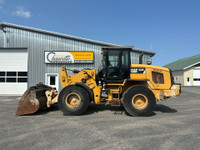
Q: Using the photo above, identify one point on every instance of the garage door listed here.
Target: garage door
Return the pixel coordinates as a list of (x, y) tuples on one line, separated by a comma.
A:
[(196, 77), (13, 71)]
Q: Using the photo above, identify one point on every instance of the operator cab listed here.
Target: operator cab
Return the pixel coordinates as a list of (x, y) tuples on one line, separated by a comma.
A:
[(115, 65)]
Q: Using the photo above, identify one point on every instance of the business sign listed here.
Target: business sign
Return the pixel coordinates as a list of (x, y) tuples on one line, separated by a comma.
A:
[(69, 57)]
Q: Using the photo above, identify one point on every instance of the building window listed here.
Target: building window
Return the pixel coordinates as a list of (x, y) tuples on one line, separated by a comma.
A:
[(2, 79), (13, 76), (52, 80), (22, 73), (22, 80), (2, 73), (10, 79), (11, 73), (196, 79)]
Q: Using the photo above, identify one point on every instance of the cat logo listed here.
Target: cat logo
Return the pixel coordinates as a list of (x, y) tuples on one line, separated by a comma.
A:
[(138, 70)]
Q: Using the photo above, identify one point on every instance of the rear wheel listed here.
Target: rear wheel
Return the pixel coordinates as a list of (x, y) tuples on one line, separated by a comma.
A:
[(139, 101), (73, 100)]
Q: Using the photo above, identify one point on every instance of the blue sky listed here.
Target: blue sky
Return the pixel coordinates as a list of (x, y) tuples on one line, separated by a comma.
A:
[(171, 28)]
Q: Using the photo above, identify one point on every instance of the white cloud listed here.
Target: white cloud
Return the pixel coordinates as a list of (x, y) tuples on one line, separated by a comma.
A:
[(21, 12), (1, 2)]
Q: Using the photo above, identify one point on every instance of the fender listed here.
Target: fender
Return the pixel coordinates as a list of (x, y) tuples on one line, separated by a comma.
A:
[(90, 92)]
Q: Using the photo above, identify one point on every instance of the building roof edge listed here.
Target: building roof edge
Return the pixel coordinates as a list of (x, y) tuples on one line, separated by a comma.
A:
[(5, 24)]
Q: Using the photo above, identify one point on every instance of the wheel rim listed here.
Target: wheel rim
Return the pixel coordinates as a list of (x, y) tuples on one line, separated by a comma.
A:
[(73, 100), (139, 101)]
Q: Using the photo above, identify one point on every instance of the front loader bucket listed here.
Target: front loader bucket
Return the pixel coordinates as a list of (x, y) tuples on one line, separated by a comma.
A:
[(32, 100)]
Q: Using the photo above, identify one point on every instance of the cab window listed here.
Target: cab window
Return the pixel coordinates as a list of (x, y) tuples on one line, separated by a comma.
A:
[(125, 63), (158, 78), (113, 58)]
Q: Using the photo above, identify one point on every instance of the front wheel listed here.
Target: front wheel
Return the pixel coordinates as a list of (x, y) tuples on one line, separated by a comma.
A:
[(73, 100), (139, 101)]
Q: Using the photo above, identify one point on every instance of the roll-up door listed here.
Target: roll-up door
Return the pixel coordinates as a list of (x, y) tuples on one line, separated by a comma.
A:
[(13, 71), (196, 77)]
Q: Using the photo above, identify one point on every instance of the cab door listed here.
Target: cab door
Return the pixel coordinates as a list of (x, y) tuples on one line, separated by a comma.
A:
[(118, 66)]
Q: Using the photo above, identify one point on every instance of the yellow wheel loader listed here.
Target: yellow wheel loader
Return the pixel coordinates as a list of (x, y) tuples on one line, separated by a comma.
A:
[(136, 87)]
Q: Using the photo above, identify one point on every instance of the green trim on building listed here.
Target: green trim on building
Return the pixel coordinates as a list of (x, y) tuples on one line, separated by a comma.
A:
[(184, 63)]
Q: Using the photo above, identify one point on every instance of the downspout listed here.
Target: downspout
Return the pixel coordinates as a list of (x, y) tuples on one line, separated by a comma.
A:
[(4, 36)]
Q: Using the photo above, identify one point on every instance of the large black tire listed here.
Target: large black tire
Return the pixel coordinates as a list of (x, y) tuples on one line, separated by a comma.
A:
[(73, 100), (139, 101)]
